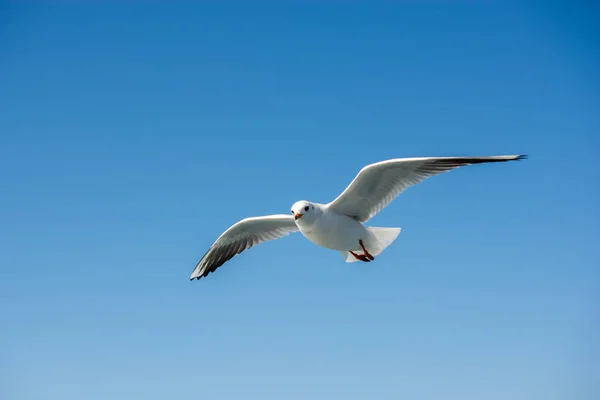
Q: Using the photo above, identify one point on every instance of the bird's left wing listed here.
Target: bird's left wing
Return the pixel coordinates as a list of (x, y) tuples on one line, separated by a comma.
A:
[(376, 185), (241, 236)]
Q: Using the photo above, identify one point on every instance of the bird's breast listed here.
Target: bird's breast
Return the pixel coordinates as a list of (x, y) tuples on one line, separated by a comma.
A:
[(336, 232)]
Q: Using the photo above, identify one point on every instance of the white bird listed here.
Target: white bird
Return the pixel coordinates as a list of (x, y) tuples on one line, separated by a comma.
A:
[(339, 224)]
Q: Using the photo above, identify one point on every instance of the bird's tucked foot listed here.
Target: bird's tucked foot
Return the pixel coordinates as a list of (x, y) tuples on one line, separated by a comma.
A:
[(366, 253), (361, 257)]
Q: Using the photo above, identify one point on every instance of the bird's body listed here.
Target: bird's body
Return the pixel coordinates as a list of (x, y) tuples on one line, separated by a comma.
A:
[(339, 225), (333, 231)]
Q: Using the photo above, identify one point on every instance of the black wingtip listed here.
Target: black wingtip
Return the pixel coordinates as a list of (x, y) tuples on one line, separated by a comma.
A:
[(522, 157)]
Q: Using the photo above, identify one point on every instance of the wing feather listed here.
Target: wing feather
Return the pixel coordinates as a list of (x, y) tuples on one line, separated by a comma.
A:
[(376, 185), (242, 236)]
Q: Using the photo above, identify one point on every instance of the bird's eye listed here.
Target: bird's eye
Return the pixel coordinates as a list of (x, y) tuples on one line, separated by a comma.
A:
[(292, 211), (306, 208)]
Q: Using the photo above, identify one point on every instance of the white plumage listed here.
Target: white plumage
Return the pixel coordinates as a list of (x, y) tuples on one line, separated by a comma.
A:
[(339, 224)]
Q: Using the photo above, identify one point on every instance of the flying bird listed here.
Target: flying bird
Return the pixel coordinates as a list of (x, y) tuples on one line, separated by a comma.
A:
[(338, 225)]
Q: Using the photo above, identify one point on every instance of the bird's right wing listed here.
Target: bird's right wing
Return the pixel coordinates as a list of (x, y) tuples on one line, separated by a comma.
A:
[(241, 236), (376, 185)]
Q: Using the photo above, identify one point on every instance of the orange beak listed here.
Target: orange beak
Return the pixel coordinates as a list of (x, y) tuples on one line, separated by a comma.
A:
[(297, 216)]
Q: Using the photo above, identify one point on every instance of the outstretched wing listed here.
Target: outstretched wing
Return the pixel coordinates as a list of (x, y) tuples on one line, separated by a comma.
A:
[(241, 236), (376, 185)]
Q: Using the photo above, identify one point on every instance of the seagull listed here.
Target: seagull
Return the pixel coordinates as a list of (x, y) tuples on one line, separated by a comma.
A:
[(338, 225)]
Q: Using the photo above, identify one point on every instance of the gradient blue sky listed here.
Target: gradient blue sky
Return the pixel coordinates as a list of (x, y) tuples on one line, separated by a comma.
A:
[(131, 137)]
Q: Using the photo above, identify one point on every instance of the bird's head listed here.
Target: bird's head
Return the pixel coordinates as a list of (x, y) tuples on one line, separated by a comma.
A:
[(304, 211)]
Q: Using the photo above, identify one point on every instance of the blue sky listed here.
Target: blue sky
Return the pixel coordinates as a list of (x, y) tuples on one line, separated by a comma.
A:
[(132, 136)]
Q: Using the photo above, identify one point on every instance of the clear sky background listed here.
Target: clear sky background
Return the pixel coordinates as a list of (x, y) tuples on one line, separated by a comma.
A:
[(133, 136)]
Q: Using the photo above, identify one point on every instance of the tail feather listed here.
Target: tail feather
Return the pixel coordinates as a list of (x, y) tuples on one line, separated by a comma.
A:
[(383, 238)]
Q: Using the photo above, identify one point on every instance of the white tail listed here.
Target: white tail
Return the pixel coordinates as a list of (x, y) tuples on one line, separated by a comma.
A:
[(379, 239)]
